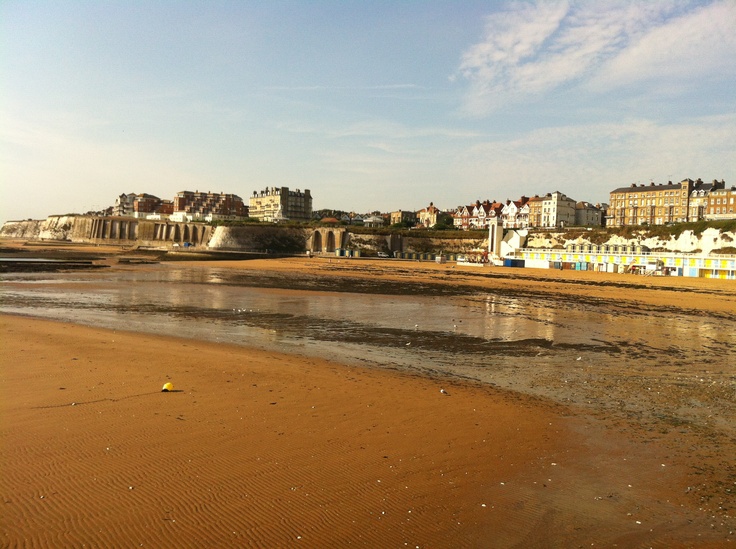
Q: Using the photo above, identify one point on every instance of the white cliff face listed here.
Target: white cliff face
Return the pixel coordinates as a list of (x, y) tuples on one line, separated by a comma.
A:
[(54, 227), (711, 240), (57, 228), (22, 230), (223, 237)]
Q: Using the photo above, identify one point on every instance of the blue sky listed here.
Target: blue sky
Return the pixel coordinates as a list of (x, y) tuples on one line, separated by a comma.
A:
[(374, 105)]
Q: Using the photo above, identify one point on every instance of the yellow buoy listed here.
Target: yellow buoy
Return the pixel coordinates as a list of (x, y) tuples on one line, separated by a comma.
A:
[(167, 387)]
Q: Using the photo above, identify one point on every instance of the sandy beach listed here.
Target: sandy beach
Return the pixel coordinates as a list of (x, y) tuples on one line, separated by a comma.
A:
[(261, 449)]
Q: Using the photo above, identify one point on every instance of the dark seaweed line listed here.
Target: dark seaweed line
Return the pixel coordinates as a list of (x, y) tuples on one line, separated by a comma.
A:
[(339, 331)]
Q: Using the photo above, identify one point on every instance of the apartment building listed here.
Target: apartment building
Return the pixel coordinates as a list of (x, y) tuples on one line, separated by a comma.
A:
[(661, 204), (140, 205), (124, 205), (197, 206), (650, 204), (721, 204), (698, 203), (148, 206), (275, 204), (558, 211)]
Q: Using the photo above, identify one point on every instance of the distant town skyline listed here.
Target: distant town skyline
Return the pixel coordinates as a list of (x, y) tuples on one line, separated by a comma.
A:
[(372, 105)]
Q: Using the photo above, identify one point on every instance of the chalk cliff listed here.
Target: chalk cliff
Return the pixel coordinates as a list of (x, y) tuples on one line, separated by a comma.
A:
[(55, 227)]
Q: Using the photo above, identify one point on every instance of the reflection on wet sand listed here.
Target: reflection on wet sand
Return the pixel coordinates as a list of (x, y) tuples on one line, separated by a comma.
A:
[(542, 344), (669, 369)]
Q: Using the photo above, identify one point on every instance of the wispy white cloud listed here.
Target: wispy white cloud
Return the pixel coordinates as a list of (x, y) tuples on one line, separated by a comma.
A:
[(345, 88), (587, 162), (696, 45), (511, 45), (378, 128), (534, 48)]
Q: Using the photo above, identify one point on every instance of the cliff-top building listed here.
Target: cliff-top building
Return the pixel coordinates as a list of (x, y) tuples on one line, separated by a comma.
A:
[(141, 205), (588, 215), (660, 204), (403, 216), (721, 204), (700, 199), (429, 216), (277, 204), (558, 210), (197, 206), (124, 205)]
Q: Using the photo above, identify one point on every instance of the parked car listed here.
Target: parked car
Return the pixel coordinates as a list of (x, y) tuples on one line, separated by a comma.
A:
[(382, 254)]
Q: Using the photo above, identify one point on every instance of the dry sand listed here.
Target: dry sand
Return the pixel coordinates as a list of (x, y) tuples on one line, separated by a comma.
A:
[(257, 449)]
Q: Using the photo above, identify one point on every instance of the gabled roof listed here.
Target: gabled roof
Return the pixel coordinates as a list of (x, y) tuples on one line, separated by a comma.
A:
[(497, 207), (583, 205)]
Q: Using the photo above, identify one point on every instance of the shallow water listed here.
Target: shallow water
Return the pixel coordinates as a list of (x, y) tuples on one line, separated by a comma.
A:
[(439, 328)]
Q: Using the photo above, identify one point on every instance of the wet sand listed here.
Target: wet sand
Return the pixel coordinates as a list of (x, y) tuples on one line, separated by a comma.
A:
[(259, 449)]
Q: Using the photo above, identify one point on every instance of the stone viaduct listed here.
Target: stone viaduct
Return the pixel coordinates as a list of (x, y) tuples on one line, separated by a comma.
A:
[(143, 231), (125, 230), (327, 239)]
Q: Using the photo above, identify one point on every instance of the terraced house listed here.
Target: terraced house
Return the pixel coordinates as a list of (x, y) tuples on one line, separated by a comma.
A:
[(661, 204)]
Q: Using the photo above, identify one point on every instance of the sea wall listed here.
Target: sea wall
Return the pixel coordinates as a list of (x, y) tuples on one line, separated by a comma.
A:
[(370, 244), (265, 238)]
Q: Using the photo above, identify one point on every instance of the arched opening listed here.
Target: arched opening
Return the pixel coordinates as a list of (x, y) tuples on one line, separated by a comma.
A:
[(317, 241), (177, 234), (330, 242), (186, 233)]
